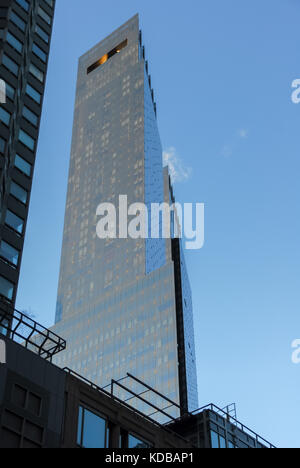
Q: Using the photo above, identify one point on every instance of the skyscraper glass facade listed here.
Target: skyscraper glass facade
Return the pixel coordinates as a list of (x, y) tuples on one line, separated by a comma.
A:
[(117, 305)]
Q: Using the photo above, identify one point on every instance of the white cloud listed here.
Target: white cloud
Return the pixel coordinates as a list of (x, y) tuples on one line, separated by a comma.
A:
[(178, 171)]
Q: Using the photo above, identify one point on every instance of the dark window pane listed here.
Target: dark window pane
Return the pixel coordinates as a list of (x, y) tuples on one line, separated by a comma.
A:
[(19, 396), (26, 139), (36, 72), (44, 15), (24, 4), (9, 253), (18, 192), (17, 20), (14, 221), (14, 42), (6, 288), (29, 115), (4, 116), (35, 95), (23, 165), (38, 51), (43, 35), (10, 92), (34, 404), (10, 64)]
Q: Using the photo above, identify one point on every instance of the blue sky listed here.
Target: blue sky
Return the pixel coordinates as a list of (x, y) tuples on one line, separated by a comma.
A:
[(222, 73)]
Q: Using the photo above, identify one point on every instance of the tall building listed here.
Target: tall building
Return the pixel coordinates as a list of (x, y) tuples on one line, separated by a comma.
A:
[(124, 305), (25, 35)]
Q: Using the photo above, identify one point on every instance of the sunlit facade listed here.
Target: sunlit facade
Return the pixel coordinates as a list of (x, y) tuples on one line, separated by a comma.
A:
[(120, 301)]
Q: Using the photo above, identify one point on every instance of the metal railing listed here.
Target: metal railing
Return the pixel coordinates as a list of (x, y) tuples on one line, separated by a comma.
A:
[(27, 332), (236, 423), (125, 403)]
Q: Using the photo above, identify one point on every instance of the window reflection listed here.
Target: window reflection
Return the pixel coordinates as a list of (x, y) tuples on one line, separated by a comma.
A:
[(92, 430)]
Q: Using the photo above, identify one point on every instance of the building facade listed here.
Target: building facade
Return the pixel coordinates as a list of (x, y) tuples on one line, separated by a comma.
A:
[(124, 305), (25, 35), (43, 406)]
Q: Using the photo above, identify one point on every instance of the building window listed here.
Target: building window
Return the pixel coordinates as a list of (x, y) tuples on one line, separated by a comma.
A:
[(135, 443), (4, 116), (26, 139), (92, 430), (10, 92), (39, 53), (10, 65), (43, 35), (9, 253), (44, 15), (14, 222), (217, 441), (50, 2), (23, 165), (36, 72), (14, 42), (24, 4), (30, 116), (6, 288), (17, 21), (35, 95), (18, 192)]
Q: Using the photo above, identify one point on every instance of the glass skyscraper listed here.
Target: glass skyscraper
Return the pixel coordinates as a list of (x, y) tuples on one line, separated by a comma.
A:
[(124, 305)]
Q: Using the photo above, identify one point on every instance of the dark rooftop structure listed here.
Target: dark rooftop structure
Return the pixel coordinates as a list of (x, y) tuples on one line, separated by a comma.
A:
[(43, 406)]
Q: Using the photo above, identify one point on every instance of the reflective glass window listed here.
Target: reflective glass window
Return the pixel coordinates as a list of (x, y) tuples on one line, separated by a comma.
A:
[(26, 139), (134, 442), (39, 52), (24, 4), (23, 165), (36, 72), (6, 288), (92, 430), (4, 116), (18, 192), (10, 92), (43, 35), (9, 253), (14, 221), (10, 64), (214, 440), (30, 116), (17, 21), (14, 42), (35, 95), (44, 15)]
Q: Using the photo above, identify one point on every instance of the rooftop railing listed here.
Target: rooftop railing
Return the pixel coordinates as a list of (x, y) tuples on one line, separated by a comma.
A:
[(27, 332)]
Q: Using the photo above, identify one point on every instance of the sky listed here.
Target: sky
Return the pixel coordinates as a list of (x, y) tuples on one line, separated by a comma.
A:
[(222, 72)]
